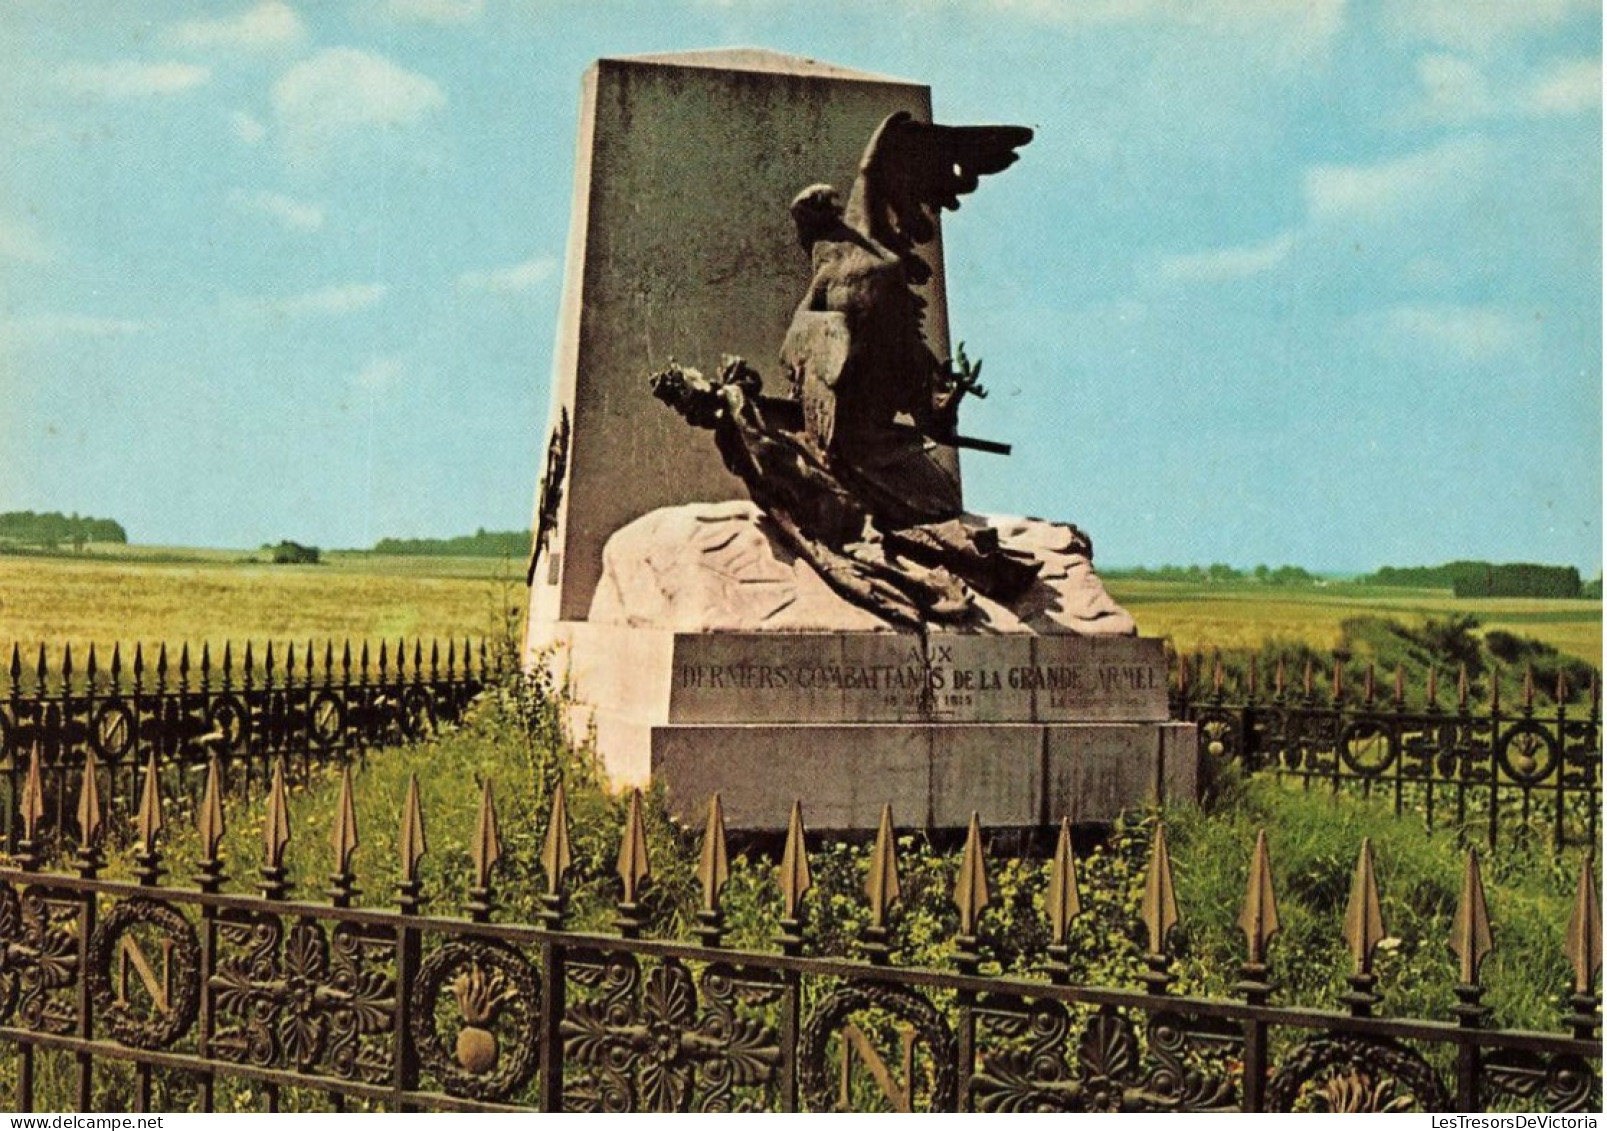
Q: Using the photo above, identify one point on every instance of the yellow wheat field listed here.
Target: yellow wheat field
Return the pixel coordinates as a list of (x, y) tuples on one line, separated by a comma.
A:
[(214, 597), (62, 601)]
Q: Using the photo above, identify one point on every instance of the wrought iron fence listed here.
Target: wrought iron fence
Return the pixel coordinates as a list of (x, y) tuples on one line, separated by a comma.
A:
[(196, 987), (1497, 773), (305, 707)]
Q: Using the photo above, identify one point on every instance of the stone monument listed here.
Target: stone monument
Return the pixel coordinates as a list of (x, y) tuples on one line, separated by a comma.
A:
[(798, 605)]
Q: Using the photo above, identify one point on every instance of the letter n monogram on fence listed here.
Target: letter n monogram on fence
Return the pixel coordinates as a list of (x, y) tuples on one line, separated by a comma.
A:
[(856, 1044), (160, 988)]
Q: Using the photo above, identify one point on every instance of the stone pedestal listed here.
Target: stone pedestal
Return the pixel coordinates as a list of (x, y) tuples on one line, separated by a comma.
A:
[(1023, 729)]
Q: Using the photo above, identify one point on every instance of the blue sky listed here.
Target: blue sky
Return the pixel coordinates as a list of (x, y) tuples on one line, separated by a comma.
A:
[(1308, 281)]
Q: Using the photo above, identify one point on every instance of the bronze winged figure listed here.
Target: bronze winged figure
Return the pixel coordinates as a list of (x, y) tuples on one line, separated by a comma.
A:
[(856, 351), (846, 468)]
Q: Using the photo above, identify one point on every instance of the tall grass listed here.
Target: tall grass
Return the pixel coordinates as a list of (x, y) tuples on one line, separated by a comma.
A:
[(511, 741)]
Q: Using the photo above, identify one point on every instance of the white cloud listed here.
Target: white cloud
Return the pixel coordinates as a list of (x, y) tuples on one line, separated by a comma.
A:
[(129, 79), (343, 299), (1480, 25), (510, 280), (433, 11), (295, 215), (247, 128), (1396, 185), (1385, 202), (1455, 89), (1221, 264), (378, 374), (269, 24), (1567, 86), (340, 92), (20, 243), (1472, 333), (45, 327)]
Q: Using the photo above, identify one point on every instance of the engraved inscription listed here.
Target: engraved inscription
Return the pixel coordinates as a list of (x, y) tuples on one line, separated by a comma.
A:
[(1072, 681), (784, 678)]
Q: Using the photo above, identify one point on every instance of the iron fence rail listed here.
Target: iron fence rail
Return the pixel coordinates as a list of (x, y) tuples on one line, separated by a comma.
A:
[(309, 706), (1524, 772), (194, 986)]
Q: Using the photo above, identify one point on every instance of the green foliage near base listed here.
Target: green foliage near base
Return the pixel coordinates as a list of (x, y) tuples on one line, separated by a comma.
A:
[(511, 740)]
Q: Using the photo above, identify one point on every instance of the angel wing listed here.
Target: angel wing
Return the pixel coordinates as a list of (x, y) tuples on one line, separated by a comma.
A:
[(911, 169), (816, 352)]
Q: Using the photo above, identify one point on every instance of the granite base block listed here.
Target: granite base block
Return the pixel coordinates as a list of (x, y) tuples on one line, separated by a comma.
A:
[(1012, 776), (847, 722)]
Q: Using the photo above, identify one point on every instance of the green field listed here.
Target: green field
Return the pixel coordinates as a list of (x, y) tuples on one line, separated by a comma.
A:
[(150, 594)]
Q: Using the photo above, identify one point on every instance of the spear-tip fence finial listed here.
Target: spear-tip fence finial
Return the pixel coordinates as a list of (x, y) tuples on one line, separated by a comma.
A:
[(714, 869), (633, 868), (556, 856), (411, 844), (1584, 931), (1363, 930), (971, 893), (1259, 916), (211, 827), (714, 863), (344, 842), (90, 815), (33, 801), (882, 889), (795, 880), (1158, 909), (1470, 928), (149, 822)]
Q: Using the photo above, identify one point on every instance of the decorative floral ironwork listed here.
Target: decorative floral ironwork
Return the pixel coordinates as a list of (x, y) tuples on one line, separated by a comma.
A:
[(1560, 1083), (1346, 1072), (832, 1016), (1192, 1054), (495, 990), (1032, 1074), (1527, 753), (1025, 1077), (646, 1046), (301, 1004), (1107, 1061), (1219, 734), (38, 957), (172, 983)]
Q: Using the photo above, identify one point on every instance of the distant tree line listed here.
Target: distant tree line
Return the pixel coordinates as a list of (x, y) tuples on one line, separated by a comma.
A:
[(1218, 573), (1486, 579), (482, 543), (53, 529)]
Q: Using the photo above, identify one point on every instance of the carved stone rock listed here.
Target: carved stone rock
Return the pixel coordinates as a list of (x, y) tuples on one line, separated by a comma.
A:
[(711, 567)]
